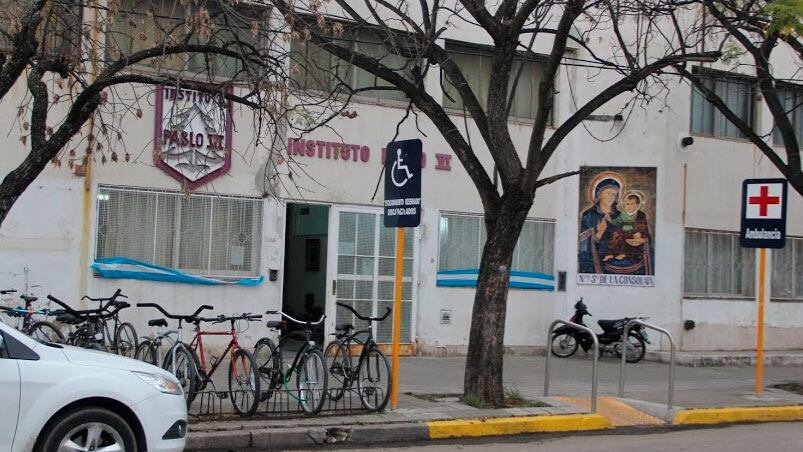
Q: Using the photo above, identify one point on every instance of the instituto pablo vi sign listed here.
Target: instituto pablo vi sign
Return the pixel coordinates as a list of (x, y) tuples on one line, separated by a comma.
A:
[(192, 136)]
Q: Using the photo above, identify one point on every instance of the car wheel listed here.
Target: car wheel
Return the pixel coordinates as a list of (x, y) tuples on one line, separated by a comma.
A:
[(87, 429)]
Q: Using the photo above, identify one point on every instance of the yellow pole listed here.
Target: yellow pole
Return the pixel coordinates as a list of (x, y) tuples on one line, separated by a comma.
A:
[(394, 388), (762, 263)]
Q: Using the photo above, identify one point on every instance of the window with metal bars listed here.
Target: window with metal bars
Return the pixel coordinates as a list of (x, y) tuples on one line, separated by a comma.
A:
[(787, 271), (204, 234), (462, 237), (717, 266), (735, 91), (792, 99)]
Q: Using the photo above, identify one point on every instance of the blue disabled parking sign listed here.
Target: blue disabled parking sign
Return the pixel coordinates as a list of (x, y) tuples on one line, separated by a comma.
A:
[(403, 184)]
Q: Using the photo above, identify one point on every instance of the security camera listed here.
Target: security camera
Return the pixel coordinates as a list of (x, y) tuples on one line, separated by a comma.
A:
[(684, 143)]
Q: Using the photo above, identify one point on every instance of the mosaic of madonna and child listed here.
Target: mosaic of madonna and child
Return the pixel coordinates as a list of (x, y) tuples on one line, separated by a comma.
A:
[(617, 226)]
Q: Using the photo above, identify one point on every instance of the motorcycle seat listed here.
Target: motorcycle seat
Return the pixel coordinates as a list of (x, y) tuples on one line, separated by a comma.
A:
[(611, 325)]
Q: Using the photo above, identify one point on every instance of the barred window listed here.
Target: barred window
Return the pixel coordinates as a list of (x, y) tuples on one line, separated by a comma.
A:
[(475, 64), (58, 34), (735, 92), (787, 270), (313, 68), (716, 265), (462, 238), (140, 25), (792, 101), (203, 234)]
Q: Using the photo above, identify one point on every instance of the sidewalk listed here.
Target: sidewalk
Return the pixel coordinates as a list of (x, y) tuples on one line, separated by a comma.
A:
[(428, 404)]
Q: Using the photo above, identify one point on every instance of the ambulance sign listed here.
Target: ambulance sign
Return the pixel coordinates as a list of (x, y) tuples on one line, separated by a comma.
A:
[(763, 213)]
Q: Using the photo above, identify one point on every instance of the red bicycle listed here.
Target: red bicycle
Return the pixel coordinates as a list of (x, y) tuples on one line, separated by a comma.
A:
[(189, 364)]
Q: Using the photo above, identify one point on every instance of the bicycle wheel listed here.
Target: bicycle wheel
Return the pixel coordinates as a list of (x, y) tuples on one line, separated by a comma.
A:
[(373, 380), (244, 383), (312, 379), (46, 332), (339, 368), (185, 370), (268, 365), (146, 351), (125, 340)]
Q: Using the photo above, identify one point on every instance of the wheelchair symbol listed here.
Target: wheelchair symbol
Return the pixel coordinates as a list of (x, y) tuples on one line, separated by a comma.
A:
[(399, 166)]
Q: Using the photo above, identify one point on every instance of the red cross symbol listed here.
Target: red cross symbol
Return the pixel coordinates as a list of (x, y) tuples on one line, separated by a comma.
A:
[(764, 200)]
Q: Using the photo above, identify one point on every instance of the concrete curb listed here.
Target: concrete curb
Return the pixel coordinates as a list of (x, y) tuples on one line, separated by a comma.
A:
[(729, 415), (464, 428), (407, 432)]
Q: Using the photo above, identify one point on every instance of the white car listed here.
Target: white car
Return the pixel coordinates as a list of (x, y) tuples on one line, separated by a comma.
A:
[(63, 398)]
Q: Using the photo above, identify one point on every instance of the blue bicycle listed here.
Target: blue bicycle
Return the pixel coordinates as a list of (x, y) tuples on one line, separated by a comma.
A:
[(41, 330)]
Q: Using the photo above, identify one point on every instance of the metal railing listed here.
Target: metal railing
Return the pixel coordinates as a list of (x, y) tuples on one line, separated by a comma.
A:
[(593, 336), (630, 324)]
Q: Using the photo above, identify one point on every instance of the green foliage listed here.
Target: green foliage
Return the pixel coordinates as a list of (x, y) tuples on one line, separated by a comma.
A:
[(515, 399), (474, 401), (786, 17)]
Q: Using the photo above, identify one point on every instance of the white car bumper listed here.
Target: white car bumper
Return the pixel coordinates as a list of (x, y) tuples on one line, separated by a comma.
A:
[(159, 415)]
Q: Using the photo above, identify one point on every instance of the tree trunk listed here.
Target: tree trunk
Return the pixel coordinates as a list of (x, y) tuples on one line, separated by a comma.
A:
[(484, 363), (15, 182)]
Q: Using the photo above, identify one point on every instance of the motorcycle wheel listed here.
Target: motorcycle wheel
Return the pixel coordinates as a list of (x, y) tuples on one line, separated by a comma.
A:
[(564, 345), (636, 349)]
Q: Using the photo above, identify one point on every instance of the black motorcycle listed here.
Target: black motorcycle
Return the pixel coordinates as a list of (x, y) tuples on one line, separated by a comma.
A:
[(566, 340)]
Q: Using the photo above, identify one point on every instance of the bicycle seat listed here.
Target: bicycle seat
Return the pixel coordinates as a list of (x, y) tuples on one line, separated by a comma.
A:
[(274, 324), (157, 322), (28, 299), (344, 327)]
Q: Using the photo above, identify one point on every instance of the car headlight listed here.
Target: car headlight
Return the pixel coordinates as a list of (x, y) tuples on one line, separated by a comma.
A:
[(162, 383)]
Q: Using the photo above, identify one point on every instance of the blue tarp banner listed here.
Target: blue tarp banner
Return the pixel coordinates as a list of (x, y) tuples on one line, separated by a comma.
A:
[(125, 268), (518, 279)]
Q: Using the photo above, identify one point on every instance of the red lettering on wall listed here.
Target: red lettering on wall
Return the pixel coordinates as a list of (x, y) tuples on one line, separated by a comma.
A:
[(365, 153), (310, 145), (444, 162)]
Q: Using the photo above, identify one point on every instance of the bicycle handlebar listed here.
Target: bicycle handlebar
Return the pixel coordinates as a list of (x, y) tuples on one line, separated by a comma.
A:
[(187, 318), (7, 291), (367, 319), (117, 293), (86, 313), (300, 322), (223, 318)]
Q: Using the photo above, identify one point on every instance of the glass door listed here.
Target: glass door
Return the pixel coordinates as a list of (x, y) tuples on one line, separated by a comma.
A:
[(361, 272)]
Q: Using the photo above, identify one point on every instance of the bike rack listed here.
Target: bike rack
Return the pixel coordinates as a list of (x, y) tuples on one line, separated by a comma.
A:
[(593, 363), (629, 325)]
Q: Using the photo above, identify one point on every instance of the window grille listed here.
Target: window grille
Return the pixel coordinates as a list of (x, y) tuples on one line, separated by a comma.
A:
[(212, 235)]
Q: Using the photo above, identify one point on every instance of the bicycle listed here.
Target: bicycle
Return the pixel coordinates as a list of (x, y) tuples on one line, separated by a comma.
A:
[(190, 367), (41, 329), (92, 329), (309, 365), (370, 365), (150, 348)]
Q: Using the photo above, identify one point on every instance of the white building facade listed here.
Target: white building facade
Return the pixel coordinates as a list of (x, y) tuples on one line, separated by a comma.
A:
[(319, 238)]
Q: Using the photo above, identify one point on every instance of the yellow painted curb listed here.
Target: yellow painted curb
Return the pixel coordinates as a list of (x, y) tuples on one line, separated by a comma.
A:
[(738, 414), (461, 428)]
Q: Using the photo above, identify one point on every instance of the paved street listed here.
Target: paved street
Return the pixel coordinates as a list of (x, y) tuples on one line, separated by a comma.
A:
[(780, 437)]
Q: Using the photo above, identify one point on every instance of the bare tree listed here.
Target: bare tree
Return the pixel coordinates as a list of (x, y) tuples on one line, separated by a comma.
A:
[(85, 67), (760, 39), (633, 42)]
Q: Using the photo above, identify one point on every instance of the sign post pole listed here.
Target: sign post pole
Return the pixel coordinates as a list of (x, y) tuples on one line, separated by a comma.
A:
[(762, 263), (394, 387), (763, 226), (402, 210)]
